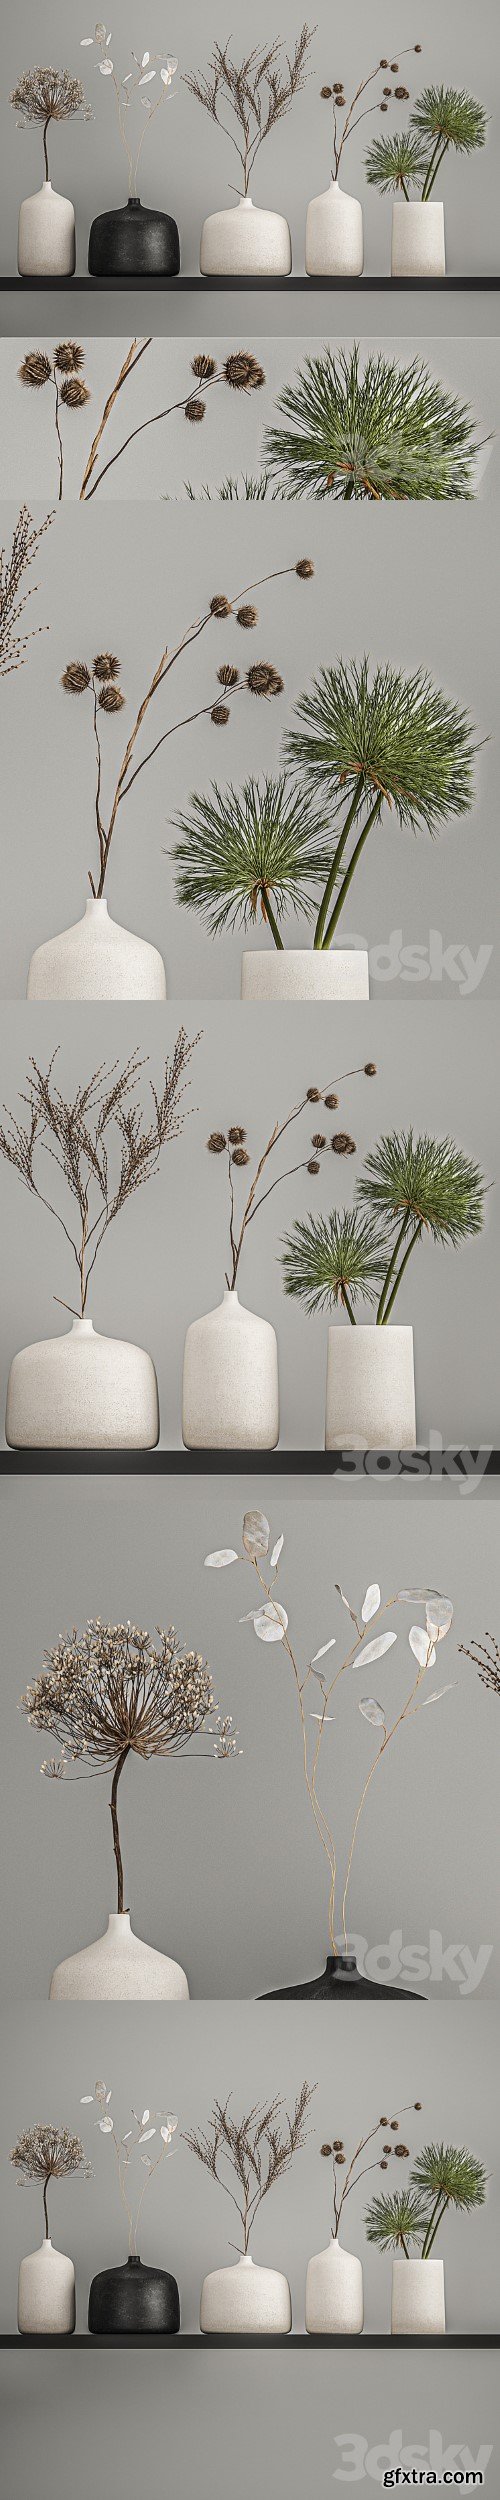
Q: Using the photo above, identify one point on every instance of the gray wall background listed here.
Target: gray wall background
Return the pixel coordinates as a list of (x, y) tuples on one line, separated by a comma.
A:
[(231, 438), (182, 2062), (167, 1263), (188, 165), (237, 2421), (129, 586), (468, 312), (222, 1864)]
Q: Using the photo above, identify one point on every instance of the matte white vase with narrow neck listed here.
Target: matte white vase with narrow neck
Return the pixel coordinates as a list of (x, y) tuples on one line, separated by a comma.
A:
[(46, 2294), (304, 972), (418, 2306), (117, 1966), (418, 244), (334, 2292), (46, 243), (245, 2300), (95, 958), (82, 1392), (370, 1388), (245, 242), (230, 1393), (334, 235)]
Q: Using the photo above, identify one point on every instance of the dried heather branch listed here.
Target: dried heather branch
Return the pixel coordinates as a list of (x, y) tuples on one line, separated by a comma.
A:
[(13, 566), (255, 2150), (256, 94), (76, 1135)]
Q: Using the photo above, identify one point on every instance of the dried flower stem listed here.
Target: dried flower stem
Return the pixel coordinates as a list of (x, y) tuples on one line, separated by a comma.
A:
[(254, 1202), (77, 1136), (132, 358), (258, 2150), (25, 543), (125, 2146)]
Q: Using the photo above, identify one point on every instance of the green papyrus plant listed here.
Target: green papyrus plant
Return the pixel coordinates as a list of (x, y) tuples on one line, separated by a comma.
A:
[(380, 432), (443, 2175), (411, 1188), (442, 118)]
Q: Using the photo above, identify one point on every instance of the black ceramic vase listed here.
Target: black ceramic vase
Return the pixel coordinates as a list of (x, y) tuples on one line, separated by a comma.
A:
[(134, 242), (340, 1978), (134, 2300)]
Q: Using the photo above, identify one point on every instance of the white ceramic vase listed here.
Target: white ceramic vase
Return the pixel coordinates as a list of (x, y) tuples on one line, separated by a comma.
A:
[(82, 1392), (334, 2292), (245, 2300), (95, 958), (118, 1965), (311, 972), (230, 1393), (418, 245), (418, 2296), (46, 2295), (46, 246), (245, 242), (370, 1389), (334, 235)]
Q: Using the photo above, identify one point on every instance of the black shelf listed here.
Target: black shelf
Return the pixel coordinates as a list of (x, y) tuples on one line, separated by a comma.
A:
[(240, 286), (413, 1465), (255, 2343)]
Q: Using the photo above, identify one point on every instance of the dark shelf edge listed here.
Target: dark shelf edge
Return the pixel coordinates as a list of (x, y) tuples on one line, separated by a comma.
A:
[(254, 2343), (242, 286), (451, 1464)]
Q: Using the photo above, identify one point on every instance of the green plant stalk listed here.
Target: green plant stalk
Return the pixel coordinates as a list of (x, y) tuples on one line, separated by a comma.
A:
[(269, 914), (429, 184), (435, 2218), (404, 1263), (347, 1306), (398, 1245), (346, 881), (337, 856)]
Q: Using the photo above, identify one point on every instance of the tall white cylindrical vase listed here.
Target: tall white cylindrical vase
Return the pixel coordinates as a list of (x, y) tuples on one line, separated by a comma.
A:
[(418, 2296), (245, 2300), (82, 1391), (46, 2295), (309, 972), (418, 245), (370, 1389), (46, 245), (245, 242), (230, 1393), (95, 958), (117, 1966), (334, 2292), (334, 235)]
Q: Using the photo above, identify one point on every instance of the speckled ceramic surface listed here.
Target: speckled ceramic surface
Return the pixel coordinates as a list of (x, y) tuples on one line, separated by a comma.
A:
[(370, 1389), (118, 1965), (46, 246), (304, 972), (418, 2296), (334, 235), (245, 242), (230, 1397), (46, 2296), (245, 2300), (418, 245), (82, 1391), (334, 2292), (95, 958)]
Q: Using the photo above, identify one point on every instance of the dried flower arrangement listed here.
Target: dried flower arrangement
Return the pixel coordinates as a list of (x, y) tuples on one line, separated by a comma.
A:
[(45, 2153), (153, 68), (411, 1188), (239, 371), (442, 118), (104, 1116), (153, 2123), (388, 433), (99, 679), (363, 743), (336, 2153), (485, 1655), (49, 95), (112, 1690), (334, 95), (233, 1145), (256, 93), (255, 2151), (271, 1623), (443, 2175), (13, 565)]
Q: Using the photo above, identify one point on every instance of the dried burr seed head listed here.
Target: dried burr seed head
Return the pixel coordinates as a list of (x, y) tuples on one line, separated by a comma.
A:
[(105, 666), (220, 715), (35, 370), (110, 699), (243, 372), (74, 393), (247, 617), (204, 368), (227, 675), (264, 679), (216, 1142), (305, 569), (69, 357), (342, 1144), (76, 677), (194, 411), (220, 606)]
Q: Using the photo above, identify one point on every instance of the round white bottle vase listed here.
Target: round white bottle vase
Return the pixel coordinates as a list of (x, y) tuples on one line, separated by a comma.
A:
[(46, 2295), (95, 958), (245, 2300), (370, 1389), (334, 2292), (230, 1392), (418, 2296), (245, 242), (418, 245), (118, 1965), (296, 972), (334, 235), (46, 246), (82, 1392)]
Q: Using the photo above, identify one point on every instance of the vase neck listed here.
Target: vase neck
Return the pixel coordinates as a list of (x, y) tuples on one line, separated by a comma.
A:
[(119, 1925), (96, 907), (81, 1328)]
